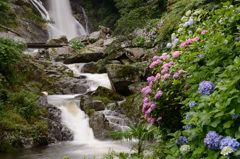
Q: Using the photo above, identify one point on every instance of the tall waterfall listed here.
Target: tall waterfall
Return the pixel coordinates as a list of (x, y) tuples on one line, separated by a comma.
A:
[(64, 22), (86, 20)]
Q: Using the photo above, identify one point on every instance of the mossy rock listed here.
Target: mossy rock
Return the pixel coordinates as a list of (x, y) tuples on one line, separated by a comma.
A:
[(107, 93)]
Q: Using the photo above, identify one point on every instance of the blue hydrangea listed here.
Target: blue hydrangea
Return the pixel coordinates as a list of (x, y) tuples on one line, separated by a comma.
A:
[(169, 45), (188, 117), (206, 88), (212, 140), (191, 104), (182, 140), (188, 127), (235, 116), (185, 149), (230, 142)]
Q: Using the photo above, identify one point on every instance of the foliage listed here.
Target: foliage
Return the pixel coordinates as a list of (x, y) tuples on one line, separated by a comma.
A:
[(7, 15), (205, 50), (76, 44), (142, 133), (138, 41), (10, 52)]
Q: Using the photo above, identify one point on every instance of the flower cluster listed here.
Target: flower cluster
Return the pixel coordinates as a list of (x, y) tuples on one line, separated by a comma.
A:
[(191, 104), (189, 41), (188, 23), (182, 140), (226, 151), (212, 140), (206, 88), (231, 143), (185, 149)]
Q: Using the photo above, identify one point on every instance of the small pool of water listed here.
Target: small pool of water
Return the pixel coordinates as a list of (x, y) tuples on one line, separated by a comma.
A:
[(71, 149)]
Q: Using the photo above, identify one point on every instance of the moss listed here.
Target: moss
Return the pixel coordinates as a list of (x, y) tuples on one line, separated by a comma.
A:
[(6, 146), (89, 111), (106, 95), (105, 100)]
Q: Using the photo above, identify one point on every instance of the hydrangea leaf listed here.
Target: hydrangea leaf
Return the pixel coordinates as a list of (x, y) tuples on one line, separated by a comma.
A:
[(227, 124), (215, 123)]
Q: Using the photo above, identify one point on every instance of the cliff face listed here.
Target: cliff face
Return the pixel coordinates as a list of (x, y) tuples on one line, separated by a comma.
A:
[(30, 27)]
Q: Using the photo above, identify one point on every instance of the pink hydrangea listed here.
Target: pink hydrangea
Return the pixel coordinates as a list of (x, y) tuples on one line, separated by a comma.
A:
[(175, 54), (160, 118), (187, 85), (181, 71), (196, 38), (158, 95), (157, 76), (163, 57), (146, 100), (152, 105), (165, 70), (151, 79), (155, 58), (166, 76), (189, 41), (154, 63), (204, 31), (176, 75)]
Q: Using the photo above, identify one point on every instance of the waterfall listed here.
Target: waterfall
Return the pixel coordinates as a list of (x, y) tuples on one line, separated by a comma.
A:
[(42, 10), (86, 20), (65, 23), (73, 117)]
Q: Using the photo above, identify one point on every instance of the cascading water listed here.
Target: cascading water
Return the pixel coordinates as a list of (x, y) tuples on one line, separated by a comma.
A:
[(65, 23), (86, 20)]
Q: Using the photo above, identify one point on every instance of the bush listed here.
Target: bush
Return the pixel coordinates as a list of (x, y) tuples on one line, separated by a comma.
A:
[(76, 44), (202, 49)]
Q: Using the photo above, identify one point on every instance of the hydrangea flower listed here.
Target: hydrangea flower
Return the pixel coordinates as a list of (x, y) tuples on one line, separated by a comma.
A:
[(188, 117), (147, 90), (175, 54), (158, 75), (166, 76), (190, 22), (151, 79), (226, 151), (180, 30), (154, 63), (204, 31), (206, 88), (212, 140), (230, 142), (176, 75), (182, 140), (188, 127), (191, 104), (181, 71), (175, 42), (158, 95), (188, 13), (155, 58), (169, 45), (185, 149), (199, 30)]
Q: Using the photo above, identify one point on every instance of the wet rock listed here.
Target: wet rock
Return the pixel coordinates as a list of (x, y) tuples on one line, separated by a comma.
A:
[(137, 87), (103, 33), (27, 143), (88, 55), (56, 130), (87, 103), (90, 68), (114, 62), (59, 40), (108, 93), (99, 125), (42, 101), (82, 38), (107, 42), (79, 89), (135, 54), (122, 76), (59, 54)]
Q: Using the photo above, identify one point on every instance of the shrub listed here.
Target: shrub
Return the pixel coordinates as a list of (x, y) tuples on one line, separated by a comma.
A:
[(76, 44)]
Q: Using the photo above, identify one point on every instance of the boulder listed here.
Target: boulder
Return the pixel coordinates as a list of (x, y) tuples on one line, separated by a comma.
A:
[(103, 33), (87, 103), (59, 40), (114, 62), (99, 125), (42, 101), (82, 38), (135, 54), (56, 130), (137, 87), (107, 42), (59, 54), (87, 55), (105, 92), (122, 76), (90, 68)]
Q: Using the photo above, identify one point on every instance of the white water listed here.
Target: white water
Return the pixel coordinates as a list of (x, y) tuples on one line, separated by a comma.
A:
[(86, 20), (94, 80), (65, 23)]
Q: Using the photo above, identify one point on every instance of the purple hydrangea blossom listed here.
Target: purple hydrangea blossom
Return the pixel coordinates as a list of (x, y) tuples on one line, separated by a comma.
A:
[(147, 90), (165, 70), (188, 127), (212, 140), (188, 117), (230, 142), (176, 75), (158, 95), (151, 79), (182, 140), (169, 45), (206, 88), (191, 104), (155, 58), (146, 100)]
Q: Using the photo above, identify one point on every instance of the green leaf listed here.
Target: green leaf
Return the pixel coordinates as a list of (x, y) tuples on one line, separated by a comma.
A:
[(237, 135), (215, 123), (237, 153), (237, 60), (219, 114), (227, 124)]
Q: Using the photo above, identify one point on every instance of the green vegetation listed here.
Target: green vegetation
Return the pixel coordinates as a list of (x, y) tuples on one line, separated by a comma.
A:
[(76, 44)]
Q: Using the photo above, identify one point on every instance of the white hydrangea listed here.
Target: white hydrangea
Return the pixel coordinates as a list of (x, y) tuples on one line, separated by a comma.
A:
[(188, 13)]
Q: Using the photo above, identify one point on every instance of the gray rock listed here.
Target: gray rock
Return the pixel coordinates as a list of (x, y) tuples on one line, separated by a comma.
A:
[(108, 93), (89, 55), (107, 42), (137, 87), (27, 143), (59, 40), (56, 130), (82, 38), (42, 101), (86, 102), (135, 54), (90, 68), (99, 125), (59, 54), (122, 76), (114, 62), (79, 89)]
